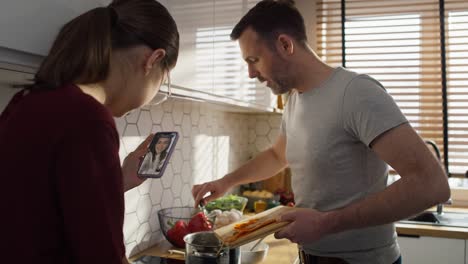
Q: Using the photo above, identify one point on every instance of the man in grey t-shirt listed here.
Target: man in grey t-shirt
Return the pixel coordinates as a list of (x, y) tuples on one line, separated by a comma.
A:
[(339, 131)]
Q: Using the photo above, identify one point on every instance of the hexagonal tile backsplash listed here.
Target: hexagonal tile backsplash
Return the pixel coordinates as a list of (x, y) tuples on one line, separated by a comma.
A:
[(211, 143)]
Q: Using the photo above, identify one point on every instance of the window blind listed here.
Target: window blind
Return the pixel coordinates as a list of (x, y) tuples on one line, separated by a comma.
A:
[(456, 35), (230, 73), (399, 43), (211, 61)]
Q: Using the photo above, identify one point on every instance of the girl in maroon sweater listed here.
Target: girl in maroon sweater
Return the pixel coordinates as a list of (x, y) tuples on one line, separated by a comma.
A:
[(62, 178)]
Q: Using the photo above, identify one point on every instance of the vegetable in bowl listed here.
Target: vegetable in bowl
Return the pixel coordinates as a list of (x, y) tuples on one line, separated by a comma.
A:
[(227, 203), (176, 222), (223, 218)]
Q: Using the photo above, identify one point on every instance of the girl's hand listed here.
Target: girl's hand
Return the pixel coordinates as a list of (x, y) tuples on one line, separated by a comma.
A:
[(131, 164)]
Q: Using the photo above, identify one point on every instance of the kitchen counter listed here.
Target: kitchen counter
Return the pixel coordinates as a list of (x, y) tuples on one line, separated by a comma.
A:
[(434, 230), (283, 251), (280, 251)]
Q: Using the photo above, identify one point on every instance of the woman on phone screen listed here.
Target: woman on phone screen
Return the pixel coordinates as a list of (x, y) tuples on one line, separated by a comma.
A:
[(154, 159)]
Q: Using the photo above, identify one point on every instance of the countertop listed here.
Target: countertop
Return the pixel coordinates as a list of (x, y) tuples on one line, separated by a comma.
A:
[(280, 251), (433, 230), (283, 251)]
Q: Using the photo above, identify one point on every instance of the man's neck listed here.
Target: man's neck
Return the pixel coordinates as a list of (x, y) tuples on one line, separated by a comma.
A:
[(312, 72)]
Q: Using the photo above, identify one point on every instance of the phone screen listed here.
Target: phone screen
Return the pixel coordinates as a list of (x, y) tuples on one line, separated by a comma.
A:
[(157, 157)]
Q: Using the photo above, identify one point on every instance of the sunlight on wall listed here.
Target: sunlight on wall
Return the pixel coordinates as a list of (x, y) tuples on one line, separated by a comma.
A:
[(211, 158), (202, 159), (221, 156)]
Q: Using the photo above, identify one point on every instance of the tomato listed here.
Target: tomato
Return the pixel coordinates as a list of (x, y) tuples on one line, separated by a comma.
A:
[(177, 232), (199, 222)]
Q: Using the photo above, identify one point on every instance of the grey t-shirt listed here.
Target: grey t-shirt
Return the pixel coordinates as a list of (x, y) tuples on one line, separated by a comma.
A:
[(328, 131)]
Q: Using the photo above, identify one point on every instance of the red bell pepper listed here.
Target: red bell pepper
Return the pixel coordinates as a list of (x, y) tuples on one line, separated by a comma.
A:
[(177, 232), (199, 222)]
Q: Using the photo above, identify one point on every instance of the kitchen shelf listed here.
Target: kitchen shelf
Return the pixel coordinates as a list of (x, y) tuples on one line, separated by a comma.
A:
[(12, 74), (220, 102)]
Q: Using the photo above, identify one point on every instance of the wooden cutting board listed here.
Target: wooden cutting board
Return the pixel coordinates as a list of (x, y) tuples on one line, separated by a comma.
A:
[(228, 234), (161, 250)]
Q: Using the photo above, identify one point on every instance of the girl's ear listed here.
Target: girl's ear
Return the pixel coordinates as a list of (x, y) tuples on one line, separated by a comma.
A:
[(154, 58)]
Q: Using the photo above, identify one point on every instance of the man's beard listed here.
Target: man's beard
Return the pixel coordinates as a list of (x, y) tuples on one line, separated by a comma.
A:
[(280, 87), (281, 81), (280, 84)]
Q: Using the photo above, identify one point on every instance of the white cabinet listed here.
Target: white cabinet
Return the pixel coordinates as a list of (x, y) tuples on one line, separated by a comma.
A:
[(194, 20), (11, 75), (31, 26), (423, 250), (208, 60), (6, 93), (231, 78), (28, 28)]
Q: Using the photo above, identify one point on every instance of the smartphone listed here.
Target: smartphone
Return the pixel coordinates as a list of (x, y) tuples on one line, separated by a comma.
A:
[(157, 157)]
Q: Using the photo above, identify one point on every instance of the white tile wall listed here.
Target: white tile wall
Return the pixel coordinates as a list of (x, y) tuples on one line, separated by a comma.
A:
[(211, 143)]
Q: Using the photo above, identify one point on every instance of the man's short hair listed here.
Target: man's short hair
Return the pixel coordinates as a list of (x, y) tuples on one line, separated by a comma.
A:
[(270, 18)]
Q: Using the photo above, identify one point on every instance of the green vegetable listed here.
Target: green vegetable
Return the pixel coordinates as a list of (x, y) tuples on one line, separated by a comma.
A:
[(227, 203), (170, 222)]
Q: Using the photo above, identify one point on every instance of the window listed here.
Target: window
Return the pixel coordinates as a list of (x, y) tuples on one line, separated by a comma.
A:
[(212, 62), (457, 85), (399, 43)]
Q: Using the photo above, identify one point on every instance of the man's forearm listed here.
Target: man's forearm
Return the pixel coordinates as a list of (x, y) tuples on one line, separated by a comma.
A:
[(263, 166), (401, 200)]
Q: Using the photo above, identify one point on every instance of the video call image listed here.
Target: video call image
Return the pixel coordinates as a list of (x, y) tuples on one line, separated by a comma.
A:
[(158, 152)]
